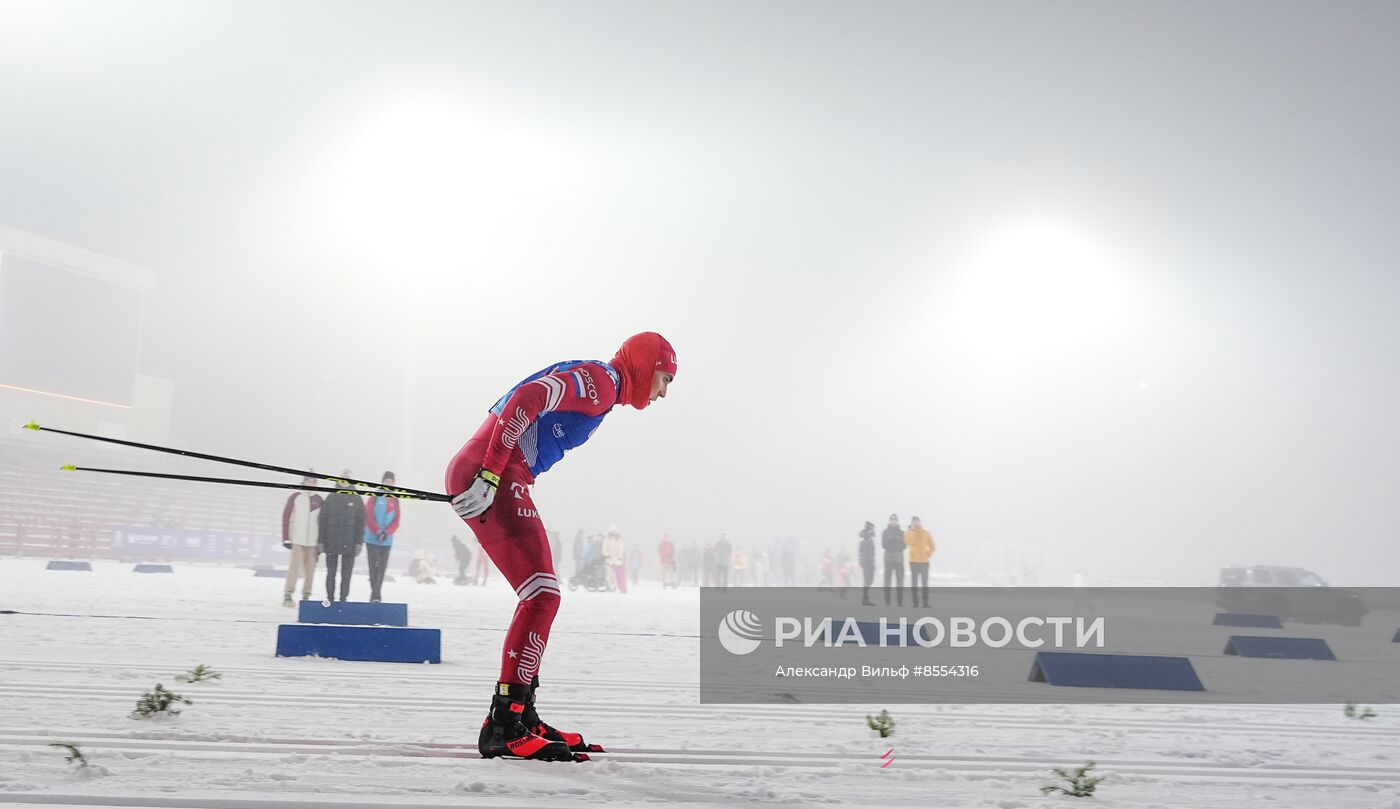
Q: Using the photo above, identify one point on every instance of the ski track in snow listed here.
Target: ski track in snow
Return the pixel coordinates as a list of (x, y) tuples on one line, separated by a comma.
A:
[(310, 733)]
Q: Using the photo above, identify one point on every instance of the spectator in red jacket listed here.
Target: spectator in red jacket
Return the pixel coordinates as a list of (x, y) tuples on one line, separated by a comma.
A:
[(667, 552)]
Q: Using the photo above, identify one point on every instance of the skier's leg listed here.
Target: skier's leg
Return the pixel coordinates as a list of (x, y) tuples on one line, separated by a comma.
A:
[(511, 533)]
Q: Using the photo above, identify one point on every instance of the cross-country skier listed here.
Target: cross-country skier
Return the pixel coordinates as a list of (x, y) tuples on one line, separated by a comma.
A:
[(527, 431)]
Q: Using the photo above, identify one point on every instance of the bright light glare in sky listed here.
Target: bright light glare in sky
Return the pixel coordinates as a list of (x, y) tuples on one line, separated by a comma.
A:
[(1034, 286)]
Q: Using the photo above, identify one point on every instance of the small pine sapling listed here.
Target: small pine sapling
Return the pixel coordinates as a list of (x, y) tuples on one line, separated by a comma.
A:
[(199, 674), (1081, 784), (157, 702), (882, 724)]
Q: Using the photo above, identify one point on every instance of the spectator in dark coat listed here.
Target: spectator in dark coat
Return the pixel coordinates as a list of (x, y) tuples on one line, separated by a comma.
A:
[(893, 542), (463, 554), (867, 562), (723, 556), (693, 563), (342, 523)]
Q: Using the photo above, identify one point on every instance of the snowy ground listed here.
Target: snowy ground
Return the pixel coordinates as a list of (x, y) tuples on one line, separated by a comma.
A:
[(277, 733)]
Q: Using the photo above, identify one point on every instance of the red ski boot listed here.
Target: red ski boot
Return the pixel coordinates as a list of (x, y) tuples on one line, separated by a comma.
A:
[(504, 733)]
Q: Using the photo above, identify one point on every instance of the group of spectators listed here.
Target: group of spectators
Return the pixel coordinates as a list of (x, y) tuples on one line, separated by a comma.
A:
[(623, 564), (721, 564), (717, 564), (895, 541), (339, 526)]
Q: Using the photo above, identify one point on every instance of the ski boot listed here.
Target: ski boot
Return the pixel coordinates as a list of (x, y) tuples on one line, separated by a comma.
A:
[(532, 721), (287, 600), (504, 732)]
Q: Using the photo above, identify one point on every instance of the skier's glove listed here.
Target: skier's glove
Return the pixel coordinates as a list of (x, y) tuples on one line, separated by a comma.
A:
[(286, 544), (475, 500)]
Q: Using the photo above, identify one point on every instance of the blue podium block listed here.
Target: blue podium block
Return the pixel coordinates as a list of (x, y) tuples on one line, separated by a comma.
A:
[(269, 573), (1247, 619), (145, 567), (69, 564), (382, 644), (359, 613), (1282, 648), (1088, 670)]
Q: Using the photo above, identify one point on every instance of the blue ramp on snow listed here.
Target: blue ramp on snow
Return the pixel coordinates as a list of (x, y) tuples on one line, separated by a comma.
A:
[(1089, 670), (1247, 619), (150, 568), (382, 644), (68, 564), (1282, 648), (360, 613)]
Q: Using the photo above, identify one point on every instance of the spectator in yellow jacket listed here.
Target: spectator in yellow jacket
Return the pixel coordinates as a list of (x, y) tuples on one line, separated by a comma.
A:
[(921, 547)]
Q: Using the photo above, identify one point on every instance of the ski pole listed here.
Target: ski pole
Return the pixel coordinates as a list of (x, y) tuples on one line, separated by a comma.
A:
[(401, 495), (266, 467)]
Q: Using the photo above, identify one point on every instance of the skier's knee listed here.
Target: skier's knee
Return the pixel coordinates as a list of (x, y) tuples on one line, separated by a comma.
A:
[(545, 604)]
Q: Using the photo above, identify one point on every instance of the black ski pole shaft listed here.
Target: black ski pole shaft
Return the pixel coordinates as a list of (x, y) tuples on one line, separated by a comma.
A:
[(401, 495), (251, 464)]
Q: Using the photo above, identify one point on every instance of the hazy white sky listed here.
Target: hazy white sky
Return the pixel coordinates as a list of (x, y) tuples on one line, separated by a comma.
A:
[(1116, 281)]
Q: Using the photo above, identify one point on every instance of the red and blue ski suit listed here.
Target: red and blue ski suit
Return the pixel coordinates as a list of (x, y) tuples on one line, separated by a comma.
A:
[(528, 431)]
